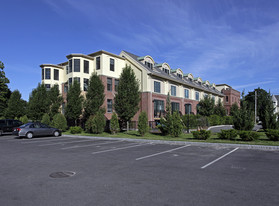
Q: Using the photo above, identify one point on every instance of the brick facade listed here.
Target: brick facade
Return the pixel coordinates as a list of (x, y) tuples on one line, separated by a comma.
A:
[(231, 96)]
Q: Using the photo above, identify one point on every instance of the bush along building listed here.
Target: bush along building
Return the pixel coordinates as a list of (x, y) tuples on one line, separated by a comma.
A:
[(156, 81)]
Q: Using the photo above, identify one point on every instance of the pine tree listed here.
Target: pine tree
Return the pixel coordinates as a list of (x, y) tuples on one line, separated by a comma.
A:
[(175, 125), (73, 108), (46, 119), (95, 95), (4, 90), (165, 121), (128, 97), (234, 109), (55, 100), (38, 103), (206, 106), (143, 123), (114, 124), (16, 106), (219, 109), (243, 119), (59, 121)]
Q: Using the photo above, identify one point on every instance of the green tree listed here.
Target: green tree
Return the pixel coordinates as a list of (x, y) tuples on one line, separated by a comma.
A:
[(55, 100), (206, 106), (114, 124), (73, 108), (96, 124), (38, 103), (59, 121), (16, 106), (143, 123), (175, 125), (95, 95), (4, 90), (265, 109), (234, 109), (243, 118), (46, 119), (219, 109), (24, 119), (165, 121), (128, 96)]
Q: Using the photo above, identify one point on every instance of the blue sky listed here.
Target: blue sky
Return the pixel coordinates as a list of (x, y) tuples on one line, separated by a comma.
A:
[(224, 41)]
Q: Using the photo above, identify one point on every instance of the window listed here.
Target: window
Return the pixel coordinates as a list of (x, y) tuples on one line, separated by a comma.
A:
[(86, 67), (173, 90), (47, 73), (47, 87), (98, 63), (109, 84), (213, 97), (158, 108), (116, 83), (85, 84), (111, 64), (157, 87), (70, 81), (174, 107), (227, 99), (166, 71), (188, 108), (67, 69), (43, 73), (56, 74), (76, 65), (180, 76), (149, 65), (109, 105), (77, 79), (186, 93), (205, 95), (66, 88), (197, 96), (70, 66)]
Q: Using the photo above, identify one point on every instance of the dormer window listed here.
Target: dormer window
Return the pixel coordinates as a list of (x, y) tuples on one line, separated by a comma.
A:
[(149, 65), (166, 71), (180, 76), (190, 79)]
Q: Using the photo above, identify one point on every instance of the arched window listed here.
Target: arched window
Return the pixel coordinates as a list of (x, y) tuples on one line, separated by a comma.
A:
[(188, 108)]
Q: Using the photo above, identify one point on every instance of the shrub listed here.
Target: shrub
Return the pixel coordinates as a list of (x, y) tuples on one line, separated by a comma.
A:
[(96, 124), (227, 120), (46, 119), (248, 135), (272, 134), (230, 134), (176, 125), (59, 121), (114, 124), (143, 123), (75, 130), (202, 134), (214, 120), (24, 119)]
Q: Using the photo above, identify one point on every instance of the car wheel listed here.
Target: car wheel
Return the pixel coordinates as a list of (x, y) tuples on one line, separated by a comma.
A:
[(29, 135), (56, 133)]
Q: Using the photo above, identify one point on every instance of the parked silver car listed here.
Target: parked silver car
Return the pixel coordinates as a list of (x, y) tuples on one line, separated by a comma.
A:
[(30, 130)]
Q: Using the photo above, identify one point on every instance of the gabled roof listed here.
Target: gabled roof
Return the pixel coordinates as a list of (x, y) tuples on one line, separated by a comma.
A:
[(174, 78)]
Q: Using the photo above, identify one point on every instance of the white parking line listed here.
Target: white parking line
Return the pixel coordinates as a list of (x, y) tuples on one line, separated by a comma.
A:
[(65, 142), (210, 163), (140, 158), (121, 148), (47, 139), (89, 145)]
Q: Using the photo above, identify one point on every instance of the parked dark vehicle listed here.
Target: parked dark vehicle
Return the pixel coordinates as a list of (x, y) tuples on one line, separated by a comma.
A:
[(32, 129), (8, 125)]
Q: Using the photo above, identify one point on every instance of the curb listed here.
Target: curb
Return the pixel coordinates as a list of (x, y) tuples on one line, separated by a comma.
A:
[(201, 144)]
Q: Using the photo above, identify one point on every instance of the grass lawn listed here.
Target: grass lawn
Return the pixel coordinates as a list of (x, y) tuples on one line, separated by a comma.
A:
[(263, 140)]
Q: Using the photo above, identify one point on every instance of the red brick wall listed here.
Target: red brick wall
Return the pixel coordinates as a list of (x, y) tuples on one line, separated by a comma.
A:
[(233, 97)]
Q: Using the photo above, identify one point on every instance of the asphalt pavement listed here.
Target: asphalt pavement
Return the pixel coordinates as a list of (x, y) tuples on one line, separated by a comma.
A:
[(88, 171)]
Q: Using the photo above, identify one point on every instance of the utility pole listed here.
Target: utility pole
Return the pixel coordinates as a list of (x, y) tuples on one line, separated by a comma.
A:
[(255, 107)]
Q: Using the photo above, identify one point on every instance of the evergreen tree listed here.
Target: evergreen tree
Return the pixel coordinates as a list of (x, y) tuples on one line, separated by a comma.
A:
[(128, 97), (38, 103), (175, 124), (114, 124), (234, 109), (59, 121), (95, 95), (164, 125), (143, 123), (206, 106), (16, 106), (24, 119), (55, 100), (219, 109), (4, 90), (46, 119), (73, 108), (243, 118)]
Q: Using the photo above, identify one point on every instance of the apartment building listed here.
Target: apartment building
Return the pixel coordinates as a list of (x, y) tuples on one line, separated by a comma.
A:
[(156, 81)]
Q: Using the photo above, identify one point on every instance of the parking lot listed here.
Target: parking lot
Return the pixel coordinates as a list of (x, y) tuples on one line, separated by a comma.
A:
[(94, 171)]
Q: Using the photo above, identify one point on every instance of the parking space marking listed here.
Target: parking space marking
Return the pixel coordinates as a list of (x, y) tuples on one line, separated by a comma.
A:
[(89, 145), (120, 148), (45, 139), (140, 158), (210, 163), (56, 143)]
